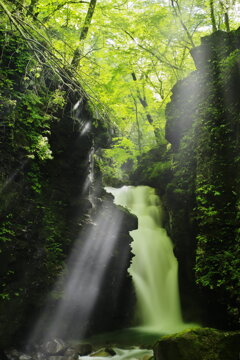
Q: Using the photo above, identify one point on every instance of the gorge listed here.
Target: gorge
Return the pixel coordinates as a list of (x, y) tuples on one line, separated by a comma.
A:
[(119, 209)]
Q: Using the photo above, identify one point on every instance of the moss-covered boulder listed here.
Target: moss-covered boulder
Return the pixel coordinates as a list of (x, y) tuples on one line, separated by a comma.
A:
[(199, 344)]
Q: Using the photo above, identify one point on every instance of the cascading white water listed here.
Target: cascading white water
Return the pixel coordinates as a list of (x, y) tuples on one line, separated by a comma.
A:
[(154, 268)]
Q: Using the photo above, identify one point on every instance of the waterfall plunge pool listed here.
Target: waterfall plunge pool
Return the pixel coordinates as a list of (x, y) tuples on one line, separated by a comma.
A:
[(154, 271)]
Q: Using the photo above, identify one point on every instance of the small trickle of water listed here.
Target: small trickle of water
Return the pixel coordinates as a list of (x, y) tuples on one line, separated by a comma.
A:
[(154, 268)]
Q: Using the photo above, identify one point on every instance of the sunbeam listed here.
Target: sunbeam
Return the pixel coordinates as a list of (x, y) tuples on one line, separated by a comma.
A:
[(10, 179), (85, 272)]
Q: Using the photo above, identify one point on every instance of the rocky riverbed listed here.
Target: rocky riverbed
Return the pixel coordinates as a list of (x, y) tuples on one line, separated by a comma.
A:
[(57, 349), (192, 344)]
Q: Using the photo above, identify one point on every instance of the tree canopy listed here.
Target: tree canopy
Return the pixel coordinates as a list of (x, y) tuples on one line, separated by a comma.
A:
[(127, 55)]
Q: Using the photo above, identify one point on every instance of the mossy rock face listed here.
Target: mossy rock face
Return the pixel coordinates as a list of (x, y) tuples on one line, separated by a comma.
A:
[(199, 344)]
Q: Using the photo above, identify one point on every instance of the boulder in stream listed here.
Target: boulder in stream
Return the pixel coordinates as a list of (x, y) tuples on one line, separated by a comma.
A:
[(60, 357), (54, 347), (39, 356), (199, 344), (13, 354), (72, 352), (83, 349), (25, 357), (105, 352)]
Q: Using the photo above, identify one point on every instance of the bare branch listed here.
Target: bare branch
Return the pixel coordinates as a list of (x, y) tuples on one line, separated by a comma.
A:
[(178, 13), (150, 51)]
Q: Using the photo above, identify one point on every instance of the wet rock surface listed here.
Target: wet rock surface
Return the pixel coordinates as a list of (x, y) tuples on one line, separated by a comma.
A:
[(56, 346), (83, 349), (103, 353), (195, 344), (198, 107), (25, 357), (55, 349), (199, 344), (64, 351)]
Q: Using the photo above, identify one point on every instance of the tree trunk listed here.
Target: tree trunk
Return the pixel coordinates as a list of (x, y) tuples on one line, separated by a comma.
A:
[(178, 13), (225, 14), (138, 126), (212, 15), (83, 34), (144, 104), (226, 18)]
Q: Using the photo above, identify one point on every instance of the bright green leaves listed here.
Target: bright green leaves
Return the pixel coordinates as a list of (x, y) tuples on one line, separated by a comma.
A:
[(34, 178), (7, 234), (113, 162), (207, 208), (58, 99), (32, 125), (28, 107), (146, 38), (43, 149), (40, 147)]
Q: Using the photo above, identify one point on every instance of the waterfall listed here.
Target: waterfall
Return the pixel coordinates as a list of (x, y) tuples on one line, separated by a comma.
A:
[(154, 268)]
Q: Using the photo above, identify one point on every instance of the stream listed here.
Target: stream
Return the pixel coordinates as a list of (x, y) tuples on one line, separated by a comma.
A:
[(121, 354)]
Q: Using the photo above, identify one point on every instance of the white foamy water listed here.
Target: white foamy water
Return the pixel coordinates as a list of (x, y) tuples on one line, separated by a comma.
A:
[(122, 354)]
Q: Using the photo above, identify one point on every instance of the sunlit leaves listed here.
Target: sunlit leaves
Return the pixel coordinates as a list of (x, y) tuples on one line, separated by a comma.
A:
[(150, 38)]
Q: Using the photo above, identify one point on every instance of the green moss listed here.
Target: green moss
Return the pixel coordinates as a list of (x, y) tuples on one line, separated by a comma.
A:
[(203, 128), (38, 184), (199, 344)]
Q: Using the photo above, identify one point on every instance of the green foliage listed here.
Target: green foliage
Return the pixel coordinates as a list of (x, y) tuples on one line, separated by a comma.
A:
[(202, 195), (141, 38), (6, 232), (112, 161), (53, 243), (159, 168), (31, 227), (133, 54), (206, 177), (34, 178), (228, 65), (24, 100)]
